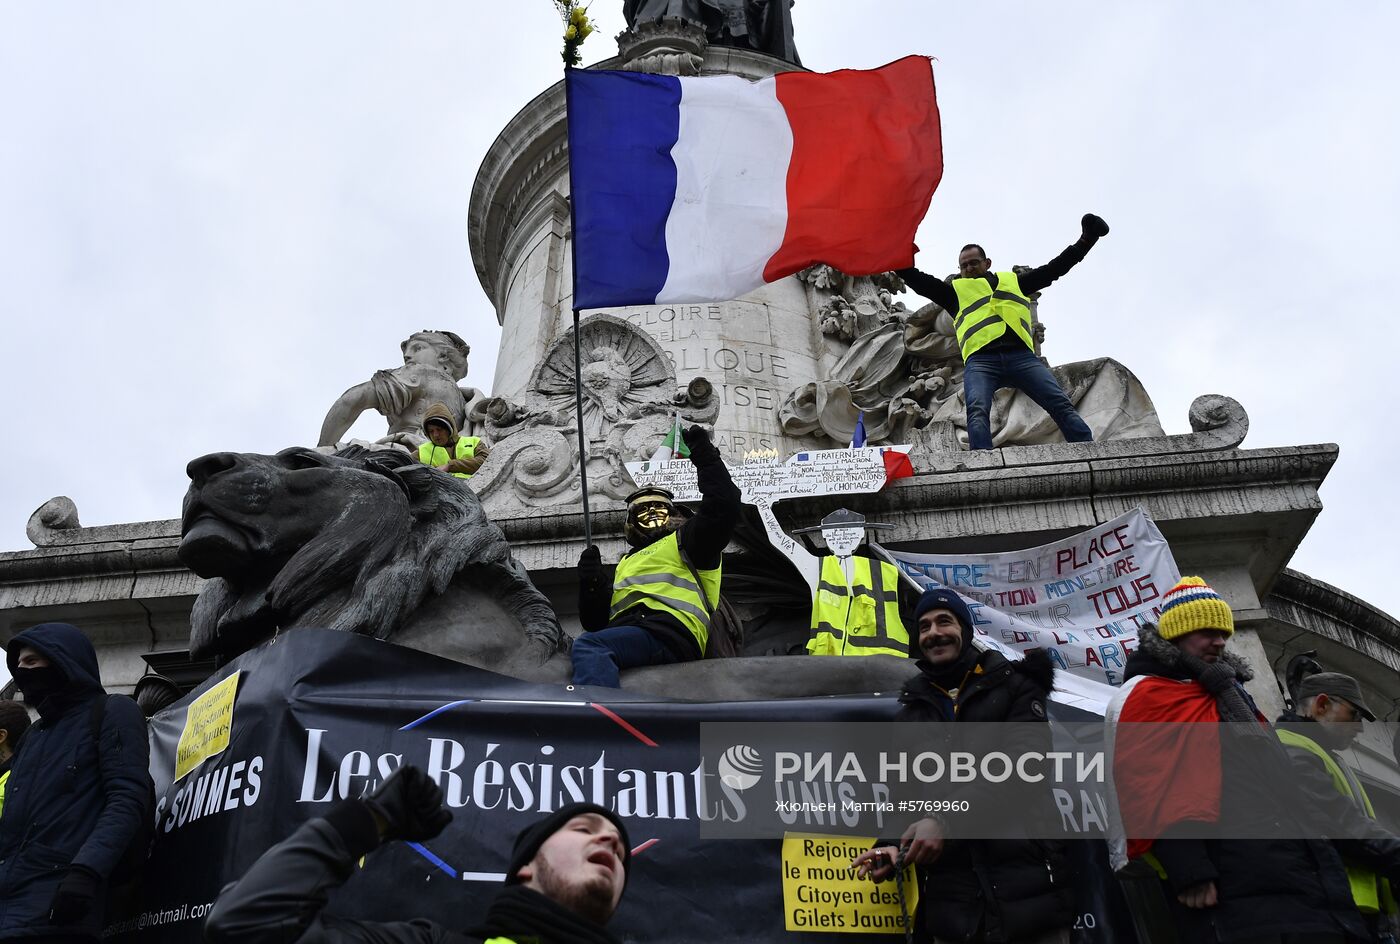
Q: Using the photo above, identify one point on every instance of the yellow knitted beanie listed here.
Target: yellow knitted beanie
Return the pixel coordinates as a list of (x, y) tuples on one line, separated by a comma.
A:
[(1191, 605)]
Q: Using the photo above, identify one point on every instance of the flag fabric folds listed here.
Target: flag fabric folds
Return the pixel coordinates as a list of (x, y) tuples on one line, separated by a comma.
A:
[(858, 436), (673, 446), (688, 189)]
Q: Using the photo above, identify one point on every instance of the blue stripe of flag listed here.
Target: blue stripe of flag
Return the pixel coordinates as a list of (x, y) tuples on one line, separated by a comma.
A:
[(622, 126)]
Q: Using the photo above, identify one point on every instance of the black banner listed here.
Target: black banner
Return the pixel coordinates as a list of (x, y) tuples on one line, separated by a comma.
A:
[(321, 715)]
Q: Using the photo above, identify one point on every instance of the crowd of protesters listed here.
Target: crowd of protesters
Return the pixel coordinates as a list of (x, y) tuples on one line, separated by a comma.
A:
[(75, 793)]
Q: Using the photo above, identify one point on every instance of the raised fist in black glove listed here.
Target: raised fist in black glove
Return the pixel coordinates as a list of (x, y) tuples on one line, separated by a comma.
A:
[(1093, 226), (408, 805), (590, 563), (76, 896), (702, 450)]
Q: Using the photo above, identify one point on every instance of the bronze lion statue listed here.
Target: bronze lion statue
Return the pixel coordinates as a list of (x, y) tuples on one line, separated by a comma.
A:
[(359, 541)]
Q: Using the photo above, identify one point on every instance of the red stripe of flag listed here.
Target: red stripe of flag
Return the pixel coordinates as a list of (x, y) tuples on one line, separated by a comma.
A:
[(867, 154)]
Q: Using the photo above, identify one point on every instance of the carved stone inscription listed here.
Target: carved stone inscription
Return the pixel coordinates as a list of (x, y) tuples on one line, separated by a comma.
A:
[(732, 344)]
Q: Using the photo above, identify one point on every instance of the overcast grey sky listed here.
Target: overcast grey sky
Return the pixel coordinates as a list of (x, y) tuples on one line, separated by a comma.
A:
[(214, 217)]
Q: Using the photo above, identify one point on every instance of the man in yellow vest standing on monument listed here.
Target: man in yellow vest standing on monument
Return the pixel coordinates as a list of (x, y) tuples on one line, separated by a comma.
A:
[(1328, 718), (992, 317), (458, 456), (660, 604)]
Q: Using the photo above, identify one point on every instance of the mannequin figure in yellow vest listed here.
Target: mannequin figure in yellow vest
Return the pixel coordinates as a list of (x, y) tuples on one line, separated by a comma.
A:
[(855, 599), (1329, 715), (992, 316), (445, 450)]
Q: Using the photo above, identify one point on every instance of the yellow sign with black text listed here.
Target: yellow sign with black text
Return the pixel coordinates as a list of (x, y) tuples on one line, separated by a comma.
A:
[(821, 891), (207, 726)]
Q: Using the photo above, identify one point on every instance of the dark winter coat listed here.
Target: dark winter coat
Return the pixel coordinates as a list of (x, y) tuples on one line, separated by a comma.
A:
[(281, 899), (1010, 889), (1265, 886), (68, 802)]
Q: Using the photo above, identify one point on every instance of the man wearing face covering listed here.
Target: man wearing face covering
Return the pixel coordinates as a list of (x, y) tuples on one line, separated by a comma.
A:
[(74, 802), (657, 608)]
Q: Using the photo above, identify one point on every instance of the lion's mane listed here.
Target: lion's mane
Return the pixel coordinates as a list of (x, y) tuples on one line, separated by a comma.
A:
[(369, 566)]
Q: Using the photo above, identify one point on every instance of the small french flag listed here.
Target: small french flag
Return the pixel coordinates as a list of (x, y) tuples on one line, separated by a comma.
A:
[(688, 189), (858, 437)]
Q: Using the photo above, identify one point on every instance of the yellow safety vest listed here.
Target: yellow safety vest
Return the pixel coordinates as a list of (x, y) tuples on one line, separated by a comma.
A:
[(428, 454), (656, 577), (984, 314), (1371, 893), (4, 779), (860, 620)]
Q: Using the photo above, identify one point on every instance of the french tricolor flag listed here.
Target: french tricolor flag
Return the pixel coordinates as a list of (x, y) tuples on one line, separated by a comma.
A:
[(703, 189)]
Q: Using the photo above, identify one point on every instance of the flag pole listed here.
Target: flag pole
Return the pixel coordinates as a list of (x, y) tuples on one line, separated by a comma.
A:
[(578, 412), (578, 342)]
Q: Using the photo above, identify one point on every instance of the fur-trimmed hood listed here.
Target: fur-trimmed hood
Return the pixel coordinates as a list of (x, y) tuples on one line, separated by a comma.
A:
[(1158, 656)]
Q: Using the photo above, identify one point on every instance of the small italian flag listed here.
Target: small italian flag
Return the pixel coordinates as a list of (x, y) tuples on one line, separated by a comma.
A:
[(673, 446)]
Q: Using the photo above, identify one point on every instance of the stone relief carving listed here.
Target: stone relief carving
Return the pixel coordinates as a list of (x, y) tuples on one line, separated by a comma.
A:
[(434, 363), (905, 372), (764, 25), (356, 541), (668, 46), (630, 395)]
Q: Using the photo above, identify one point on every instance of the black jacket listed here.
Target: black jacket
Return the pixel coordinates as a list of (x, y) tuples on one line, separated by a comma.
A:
[(69, 802), (280, 900), (992, 889), (1265, 886), (943, 295), (1356, 836), (703, 538)]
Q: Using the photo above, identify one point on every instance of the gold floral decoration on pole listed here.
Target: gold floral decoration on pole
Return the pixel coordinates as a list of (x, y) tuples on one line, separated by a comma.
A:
[(577, 26)]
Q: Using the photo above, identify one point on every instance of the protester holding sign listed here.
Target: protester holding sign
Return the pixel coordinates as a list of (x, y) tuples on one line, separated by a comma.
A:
[(992, 316), (659, 605), (1003, 890), (566, 876)]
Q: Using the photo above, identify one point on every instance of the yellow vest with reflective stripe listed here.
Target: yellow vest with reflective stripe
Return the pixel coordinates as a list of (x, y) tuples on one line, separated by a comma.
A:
[(499, 940), (1371, 893), (4, 778), (984, 314), (860, 620), (656, 577), (429, 454)]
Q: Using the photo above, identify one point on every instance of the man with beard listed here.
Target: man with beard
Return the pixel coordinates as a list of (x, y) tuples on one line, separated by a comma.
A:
[(1329, 714), (565, 879), (1195, 797), (660, 603), (985, 890)]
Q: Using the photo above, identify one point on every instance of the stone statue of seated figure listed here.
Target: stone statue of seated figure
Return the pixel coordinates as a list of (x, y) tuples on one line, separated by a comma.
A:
[(434, 362)]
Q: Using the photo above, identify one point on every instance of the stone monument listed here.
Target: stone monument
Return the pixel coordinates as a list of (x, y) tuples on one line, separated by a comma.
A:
[(434, 363), (779, 372)]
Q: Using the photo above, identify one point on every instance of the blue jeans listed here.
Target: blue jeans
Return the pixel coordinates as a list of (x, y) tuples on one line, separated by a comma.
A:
[(599, 656), (989, 371)]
